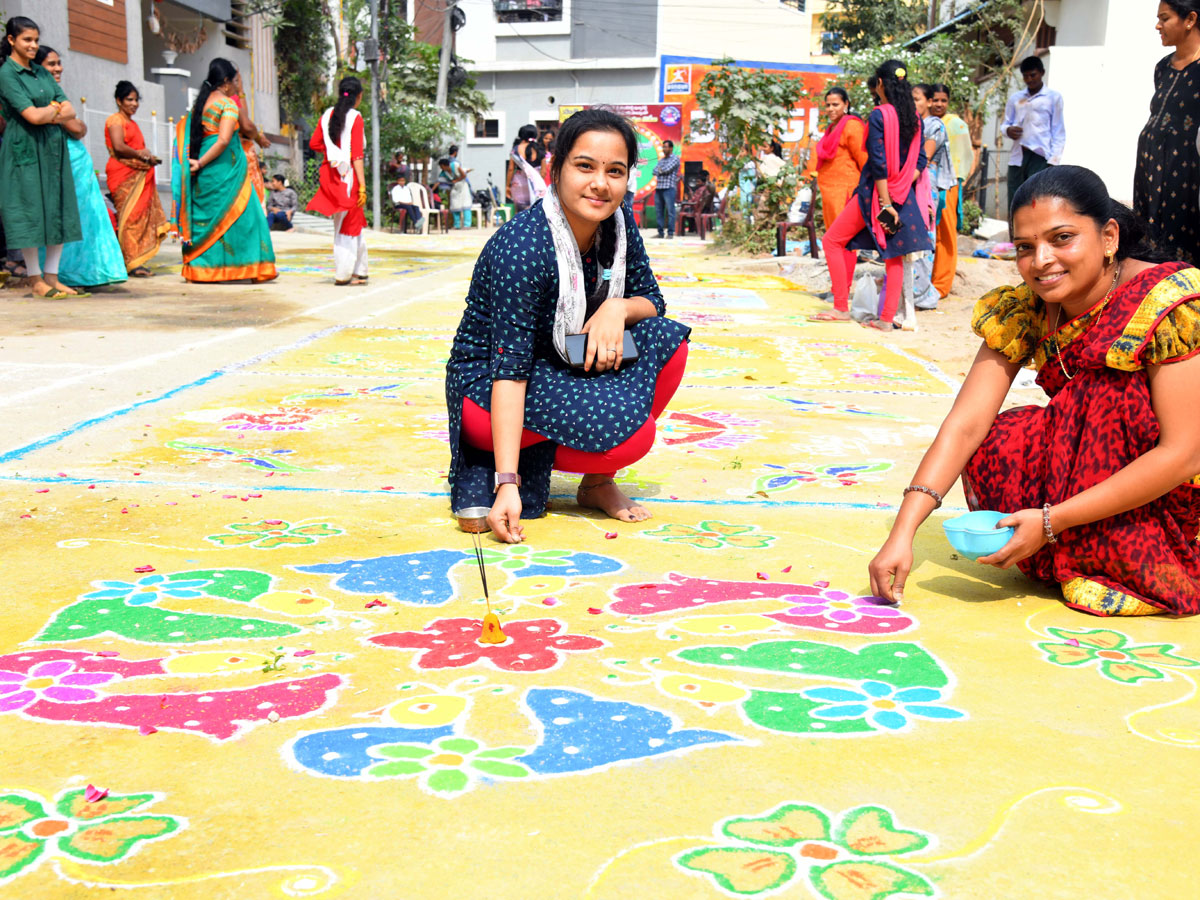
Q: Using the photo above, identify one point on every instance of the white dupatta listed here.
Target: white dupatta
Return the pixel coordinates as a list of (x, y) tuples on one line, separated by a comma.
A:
[(571, 313), (537, 186), (338, 155)]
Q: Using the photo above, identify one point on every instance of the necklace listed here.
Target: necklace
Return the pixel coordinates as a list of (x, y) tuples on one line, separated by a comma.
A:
[(1058, 314)]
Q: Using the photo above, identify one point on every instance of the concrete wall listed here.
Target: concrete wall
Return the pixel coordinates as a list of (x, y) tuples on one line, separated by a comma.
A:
[(742, 29), (601, 28)]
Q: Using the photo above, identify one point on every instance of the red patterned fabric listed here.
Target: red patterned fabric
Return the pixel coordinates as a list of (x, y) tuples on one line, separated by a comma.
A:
[(1094, 425)]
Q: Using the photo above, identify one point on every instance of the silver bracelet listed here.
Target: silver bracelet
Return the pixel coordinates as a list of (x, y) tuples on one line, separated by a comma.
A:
[(1046, 529), (924, 490)]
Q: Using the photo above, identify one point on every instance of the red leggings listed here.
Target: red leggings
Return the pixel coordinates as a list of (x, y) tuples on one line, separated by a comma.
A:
[(841, 262), (477, 428)]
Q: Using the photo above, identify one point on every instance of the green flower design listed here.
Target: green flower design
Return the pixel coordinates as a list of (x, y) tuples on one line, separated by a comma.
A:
[(849, 861), (90, 832), (712, 534), (451, 766), (272, 533), (521, 556), (1117, 658)]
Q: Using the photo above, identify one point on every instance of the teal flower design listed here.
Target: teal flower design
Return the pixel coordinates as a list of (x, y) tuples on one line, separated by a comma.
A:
[(451, 766), (881, 704), (147, 590)]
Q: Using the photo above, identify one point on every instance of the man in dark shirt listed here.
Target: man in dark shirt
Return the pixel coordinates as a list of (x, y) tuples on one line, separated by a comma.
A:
[(281, 205)]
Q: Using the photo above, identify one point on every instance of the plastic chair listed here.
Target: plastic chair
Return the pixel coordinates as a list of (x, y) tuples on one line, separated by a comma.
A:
[(428, 213), (809, 223)]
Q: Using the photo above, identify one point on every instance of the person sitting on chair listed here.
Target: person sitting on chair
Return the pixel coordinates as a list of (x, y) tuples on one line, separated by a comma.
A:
[(281, 205), (403, 199)]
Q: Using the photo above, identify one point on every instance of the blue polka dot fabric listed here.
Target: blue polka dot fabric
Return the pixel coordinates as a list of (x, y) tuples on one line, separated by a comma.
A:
[(506, 333)]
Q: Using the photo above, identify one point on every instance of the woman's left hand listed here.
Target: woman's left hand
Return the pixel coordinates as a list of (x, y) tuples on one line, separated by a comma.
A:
[(262, 140), (606, 336), (1027, 540), (194, 165)]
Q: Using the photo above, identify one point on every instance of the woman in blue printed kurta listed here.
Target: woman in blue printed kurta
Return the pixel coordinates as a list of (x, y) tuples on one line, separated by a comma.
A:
[(595, 421)]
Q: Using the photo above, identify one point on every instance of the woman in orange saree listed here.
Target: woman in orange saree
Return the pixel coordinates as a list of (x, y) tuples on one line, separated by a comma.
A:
[(141, 222), (222, 224), (252, 138)]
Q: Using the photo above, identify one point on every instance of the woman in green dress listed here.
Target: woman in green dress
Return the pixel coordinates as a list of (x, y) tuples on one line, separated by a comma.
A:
[(222, 224), (38, 201)]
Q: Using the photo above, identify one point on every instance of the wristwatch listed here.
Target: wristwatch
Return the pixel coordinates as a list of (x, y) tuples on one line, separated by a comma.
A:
[(505, 478)]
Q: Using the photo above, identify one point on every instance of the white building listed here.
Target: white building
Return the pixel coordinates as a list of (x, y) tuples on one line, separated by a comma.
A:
[(530, 56)]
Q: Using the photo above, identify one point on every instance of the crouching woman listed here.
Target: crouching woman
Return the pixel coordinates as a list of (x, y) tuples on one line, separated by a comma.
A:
[(572, 263)]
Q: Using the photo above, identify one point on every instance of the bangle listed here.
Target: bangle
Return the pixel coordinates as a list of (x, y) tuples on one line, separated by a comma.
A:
[(937, 498), (1046, 529)]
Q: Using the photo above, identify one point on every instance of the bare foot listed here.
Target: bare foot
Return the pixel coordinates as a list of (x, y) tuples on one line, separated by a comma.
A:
[(603, 494)]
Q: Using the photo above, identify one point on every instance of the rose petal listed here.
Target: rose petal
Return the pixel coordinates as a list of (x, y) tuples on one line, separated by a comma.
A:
[(273, 521), (106, 653), (374, 603), (147, 729), (785, 571), (63, 475), (593, 611), (93, 794), (761, 576), (304, 653), (143, 568), (387, 487), (550, 601), (610, 535), (42, 491), (1073, 642)]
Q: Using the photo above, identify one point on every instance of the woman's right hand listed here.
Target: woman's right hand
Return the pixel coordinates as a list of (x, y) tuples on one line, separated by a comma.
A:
[(194, 165), (889, 569), (505, 516)]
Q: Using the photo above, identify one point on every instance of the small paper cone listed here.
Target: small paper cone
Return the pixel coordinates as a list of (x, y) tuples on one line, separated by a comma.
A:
[(491, 633)]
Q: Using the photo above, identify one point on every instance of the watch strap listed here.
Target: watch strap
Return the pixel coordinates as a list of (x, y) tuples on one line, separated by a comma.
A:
[(505, 478)]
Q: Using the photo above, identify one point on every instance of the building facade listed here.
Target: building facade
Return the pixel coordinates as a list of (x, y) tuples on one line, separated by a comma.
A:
[(531, 56)]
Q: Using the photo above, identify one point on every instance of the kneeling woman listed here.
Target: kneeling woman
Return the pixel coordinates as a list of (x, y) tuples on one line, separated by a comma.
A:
[(573, 263), (1101, 483)]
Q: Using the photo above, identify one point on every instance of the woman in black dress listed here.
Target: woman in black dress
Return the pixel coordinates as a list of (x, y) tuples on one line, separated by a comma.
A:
[(1166, 185), (572, 263)]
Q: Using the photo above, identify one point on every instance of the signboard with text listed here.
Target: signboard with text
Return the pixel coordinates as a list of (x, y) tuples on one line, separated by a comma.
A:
[(654, 123)]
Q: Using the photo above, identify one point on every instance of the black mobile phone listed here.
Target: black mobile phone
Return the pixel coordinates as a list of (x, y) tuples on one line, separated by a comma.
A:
[(890, 225), (576, 346)]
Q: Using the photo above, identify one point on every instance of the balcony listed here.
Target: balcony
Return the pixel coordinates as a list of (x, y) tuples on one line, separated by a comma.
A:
[(513, 11)]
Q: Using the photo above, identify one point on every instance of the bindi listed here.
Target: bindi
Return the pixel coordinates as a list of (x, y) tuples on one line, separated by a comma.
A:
[(1033, 204)]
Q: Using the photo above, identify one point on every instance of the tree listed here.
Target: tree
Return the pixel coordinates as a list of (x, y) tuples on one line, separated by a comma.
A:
[(745, 109), (865, 24), (301, 57)]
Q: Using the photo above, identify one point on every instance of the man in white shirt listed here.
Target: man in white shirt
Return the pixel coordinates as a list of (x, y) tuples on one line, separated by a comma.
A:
[(1033, 118), (402, 198)]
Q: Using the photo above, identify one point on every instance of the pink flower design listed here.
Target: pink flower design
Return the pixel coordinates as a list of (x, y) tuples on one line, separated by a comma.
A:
[(55, 680), (837, 610), (533, 645)]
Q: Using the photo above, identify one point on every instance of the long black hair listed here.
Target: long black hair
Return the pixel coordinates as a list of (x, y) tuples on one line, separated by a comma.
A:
[(596, 118), (1087, 194), (349, 90), (898, 91), (220, 71), (12, 29), (44, 50), (1184, 8)]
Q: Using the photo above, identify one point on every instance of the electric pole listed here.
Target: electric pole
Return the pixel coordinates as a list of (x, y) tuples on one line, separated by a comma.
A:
[(371, 54), (447, 46)]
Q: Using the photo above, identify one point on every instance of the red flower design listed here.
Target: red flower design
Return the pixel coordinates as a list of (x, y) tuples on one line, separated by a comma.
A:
[(533, 645)]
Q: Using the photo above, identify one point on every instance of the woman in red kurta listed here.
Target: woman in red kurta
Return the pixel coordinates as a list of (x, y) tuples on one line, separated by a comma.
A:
[(1101, 485), (342, 193)]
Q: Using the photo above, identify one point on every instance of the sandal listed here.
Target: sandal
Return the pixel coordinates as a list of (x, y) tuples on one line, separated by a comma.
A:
[(880, 325), (15, 269), (141, 272), (54, 294), (829, 317), (341, 283)]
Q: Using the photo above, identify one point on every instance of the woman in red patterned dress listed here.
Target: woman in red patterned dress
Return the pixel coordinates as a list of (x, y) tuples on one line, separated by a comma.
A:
[(1101, 484)]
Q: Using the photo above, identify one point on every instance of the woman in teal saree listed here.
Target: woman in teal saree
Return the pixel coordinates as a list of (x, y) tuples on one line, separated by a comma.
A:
[(221, 222)]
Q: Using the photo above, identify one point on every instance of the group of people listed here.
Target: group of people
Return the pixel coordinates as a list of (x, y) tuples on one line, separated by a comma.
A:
[(51, 206), (893, 186)]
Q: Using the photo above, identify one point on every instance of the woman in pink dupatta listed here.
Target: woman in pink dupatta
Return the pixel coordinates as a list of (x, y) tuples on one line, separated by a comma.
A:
[(891, 209)]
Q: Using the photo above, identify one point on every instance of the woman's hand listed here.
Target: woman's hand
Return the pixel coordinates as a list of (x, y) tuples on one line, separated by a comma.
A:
[(362, 197), (505, 516), (262, 140), (606, 336), (889, 569), (194, 165), (890, 219), (1029, 538)]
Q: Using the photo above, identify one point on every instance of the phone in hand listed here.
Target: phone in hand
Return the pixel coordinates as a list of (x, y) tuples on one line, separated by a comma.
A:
[(889, 219), (576, 347)]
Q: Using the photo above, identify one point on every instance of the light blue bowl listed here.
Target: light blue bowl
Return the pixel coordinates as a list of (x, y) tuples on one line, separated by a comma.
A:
[(975, 534)]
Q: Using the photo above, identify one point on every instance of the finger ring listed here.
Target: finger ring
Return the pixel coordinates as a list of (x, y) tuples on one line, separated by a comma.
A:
[(612, 351)]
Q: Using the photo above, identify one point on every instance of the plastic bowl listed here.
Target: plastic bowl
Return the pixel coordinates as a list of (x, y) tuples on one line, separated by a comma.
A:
[(473, 519), (975, 534)]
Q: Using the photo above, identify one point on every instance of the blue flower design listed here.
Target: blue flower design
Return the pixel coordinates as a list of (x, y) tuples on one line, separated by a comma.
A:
[(881, 703), (147, 590)]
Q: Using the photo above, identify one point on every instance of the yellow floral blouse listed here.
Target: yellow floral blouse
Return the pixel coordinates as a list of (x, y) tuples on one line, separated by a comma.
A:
[(1166, 328)]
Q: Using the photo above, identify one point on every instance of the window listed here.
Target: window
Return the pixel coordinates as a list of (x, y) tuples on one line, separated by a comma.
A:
[(487, 128), (831, 43), (528, 10), (797, 5), (237, 30)]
